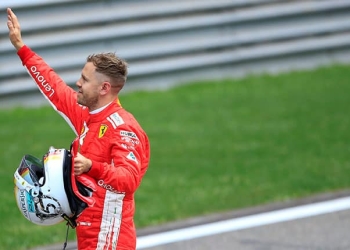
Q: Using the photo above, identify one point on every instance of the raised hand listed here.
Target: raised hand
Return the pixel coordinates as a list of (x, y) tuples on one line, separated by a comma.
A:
[(14, 30)]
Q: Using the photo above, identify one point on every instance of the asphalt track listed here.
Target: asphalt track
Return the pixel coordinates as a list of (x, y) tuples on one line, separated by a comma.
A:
[(320, 222)]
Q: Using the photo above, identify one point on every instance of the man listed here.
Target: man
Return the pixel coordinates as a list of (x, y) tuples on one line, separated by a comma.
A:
[(113, 148)]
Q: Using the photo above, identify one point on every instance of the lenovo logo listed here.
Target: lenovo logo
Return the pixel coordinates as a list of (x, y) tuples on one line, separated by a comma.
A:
[(41, 80)]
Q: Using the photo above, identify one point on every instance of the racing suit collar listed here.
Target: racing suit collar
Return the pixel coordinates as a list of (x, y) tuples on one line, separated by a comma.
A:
[(99, 109)]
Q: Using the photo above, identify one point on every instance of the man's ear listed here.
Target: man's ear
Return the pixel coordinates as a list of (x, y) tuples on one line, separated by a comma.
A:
[(105, 88)]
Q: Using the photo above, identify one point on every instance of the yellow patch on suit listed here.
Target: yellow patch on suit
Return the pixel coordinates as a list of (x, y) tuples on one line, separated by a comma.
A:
[(119, 103), (82, 130), (103, 129)]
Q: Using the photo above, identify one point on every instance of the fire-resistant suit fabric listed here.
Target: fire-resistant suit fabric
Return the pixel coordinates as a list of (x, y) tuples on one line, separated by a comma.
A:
[(118, 148)]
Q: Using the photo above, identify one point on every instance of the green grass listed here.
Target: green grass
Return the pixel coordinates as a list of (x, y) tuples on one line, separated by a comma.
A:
[(215, 147)]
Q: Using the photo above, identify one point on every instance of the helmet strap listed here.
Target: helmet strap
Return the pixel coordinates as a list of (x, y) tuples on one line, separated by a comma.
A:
[(65, 243), (70, 221)]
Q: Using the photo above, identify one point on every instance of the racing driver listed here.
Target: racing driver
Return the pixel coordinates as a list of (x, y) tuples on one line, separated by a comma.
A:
[(114, 150)]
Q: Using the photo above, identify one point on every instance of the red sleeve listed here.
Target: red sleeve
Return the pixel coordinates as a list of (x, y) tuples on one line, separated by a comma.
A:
[(57, 92), (130, 162)]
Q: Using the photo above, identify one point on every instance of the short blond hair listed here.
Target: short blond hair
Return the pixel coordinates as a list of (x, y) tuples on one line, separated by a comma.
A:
[(112, 66)]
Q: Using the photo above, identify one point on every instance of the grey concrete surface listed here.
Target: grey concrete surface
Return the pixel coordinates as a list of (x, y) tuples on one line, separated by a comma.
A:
[(323, 232)]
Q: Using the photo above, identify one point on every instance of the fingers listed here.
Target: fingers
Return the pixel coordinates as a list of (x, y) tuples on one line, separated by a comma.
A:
[(12, 19), (78, 171), (14, 30), (9, 19), (9, 16), (78, 167), (9, 12), (81, 164)]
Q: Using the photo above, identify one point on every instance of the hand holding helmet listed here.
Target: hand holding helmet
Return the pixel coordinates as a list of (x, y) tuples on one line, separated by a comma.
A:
[(81, 164), (45, 192)]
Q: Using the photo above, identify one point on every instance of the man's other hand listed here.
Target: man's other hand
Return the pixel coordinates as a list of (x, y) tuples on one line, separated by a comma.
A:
[(81, 164)]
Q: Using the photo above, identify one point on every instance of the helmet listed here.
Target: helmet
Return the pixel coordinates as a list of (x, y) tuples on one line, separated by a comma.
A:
[(44, 189)]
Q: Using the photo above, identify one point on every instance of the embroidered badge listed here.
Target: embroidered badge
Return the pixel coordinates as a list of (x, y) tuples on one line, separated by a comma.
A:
[(103, 129)]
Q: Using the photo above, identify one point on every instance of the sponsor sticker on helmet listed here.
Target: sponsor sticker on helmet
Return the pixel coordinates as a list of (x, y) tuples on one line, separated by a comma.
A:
[(22, 198)]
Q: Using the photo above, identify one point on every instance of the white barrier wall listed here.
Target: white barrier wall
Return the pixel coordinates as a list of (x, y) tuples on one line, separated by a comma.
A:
[(28, 3), (173, 42)]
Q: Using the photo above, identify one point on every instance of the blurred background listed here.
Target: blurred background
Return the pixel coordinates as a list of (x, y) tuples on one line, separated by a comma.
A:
[(172, 42), (245, 101)]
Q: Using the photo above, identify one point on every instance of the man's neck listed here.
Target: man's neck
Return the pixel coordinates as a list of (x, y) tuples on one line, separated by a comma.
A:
[(97, 110)]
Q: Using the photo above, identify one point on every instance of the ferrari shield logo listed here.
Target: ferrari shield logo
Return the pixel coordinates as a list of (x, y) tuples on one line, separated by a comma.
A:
[(103, 129)]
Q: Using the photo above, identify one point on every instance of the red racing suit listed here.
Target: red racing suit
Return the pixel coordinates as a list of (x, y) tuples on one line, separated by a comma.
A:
[(119, 150)]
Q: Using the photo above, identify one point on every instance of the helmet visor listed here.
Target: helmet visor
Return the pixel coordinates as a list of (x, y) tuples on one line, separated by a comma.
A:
[(29, 172)]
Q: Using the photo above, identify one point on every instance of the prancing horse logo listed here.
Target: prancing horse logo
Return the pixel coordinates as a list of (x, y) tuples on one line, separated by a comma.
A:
[(103, 129)]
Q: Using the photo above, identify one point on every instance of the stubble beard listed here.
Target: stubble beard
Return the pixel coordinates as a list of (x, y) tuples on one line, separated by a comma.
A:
[(88, 101)]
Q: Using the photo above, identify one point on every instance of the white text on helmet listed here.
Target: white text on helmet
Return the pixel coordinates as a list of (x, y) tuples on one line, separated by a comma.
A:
[(22, 200)]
